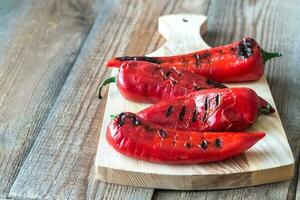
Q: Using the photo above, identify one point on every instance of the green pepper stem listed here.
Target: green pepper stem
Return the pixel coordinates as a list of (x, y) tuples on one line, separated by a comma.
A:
[(266, 110), (268, 55), (113, 116), (104, 83)]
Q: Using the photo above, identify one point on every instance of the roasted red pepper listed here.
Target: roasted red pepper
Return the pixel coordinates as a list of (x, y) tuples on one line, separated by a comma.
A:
[(236, 62), (150, 83), (135, 137), (230, 109)]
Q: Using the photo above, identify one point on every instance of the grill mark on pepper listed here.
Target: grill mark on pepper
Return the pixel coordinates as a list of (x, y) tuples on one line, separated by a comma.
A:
[(135, 121), (218, 142), (216, 84), (148, 128), (182, 113), (204, 144), (121, 119), (162, 133), (196, 87), (206, 54), (206, 104), (188, 145), (168, 74), (139, 58), (169, 111), (197, 58), (217, 100), (194, 118)]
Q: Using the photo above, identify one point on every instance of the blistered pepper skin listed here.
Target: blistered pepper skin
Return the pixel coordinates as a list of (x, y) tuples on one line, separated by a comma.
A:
[(230, 109), (236, 62), (149, 83), (137, 138)]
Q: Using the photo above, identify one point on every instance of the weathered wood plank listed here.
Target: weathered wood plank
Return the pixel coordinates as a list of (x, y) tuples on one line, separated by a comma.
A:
[(267, 22), (294, 190), (61, 162), (39, 41)]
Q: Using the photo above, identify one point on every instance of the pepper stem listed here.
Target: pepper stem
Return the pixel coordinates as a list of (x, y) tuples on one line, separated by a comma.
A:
[(104, 83), (266, 110), (113, 116), (268, 55)]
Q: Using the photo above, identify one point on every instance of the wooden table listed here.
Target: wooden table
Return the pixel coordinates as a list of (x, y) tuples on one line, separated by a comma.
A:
[(51, 63)]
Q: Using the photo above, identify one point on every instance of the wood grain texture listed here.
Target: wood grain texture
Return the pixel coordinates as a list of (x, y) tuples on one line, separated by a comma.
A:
[(266, 21), (294, 189), (270, 160), (39, 42), (130, 28), (65, 148)]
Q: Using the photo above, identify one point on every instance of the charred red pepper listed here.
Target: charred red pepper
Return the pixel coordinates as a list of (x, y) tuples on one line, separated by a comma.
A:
[(236, 62), (135, 137), (230, 109), (150, 83)]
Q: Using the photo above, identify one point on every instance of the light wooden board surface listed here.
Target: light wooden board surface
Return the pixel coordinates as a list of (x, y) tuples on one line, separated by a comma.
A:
[(126, 27), (270, 160)]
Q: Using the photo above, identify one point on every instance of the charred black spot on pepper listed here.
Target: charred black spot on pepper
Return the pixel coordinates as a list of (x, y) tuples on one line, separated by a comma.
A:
[(206, 54), (168, 74), (204, 144), (245, 48), (197, 60), (182, 113), (135, 121), (218, 142), (148, 128), (139, 58), (194, 118), (188, 145), (162, 133), (220, 51), (206, 104), (216, 84), (121, 119), (217, 100), (196, 87), (169, 111)]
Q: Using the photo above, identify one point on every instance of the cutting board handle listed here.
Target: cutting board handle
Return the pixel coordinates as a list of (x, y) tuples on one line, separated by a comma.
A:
[(183, 33)]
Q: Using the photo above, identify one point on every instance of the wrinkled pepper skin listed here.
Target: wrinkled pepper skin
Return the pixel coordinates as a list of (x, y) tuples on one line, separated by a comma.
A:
[(137, 138), (236, 62), (230, 109), (149, 83)]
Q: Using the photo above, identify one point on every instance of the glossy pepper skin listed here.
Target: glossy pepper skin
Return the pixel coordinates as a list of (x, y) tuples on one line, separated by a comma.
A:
[(149, 83), (236, 62), (137, 138), (230, 109)]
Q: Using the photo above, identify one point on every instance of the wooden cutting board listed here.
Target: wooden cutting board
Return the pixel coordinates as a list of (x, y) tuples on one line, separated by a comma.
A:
[(270, 160)]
